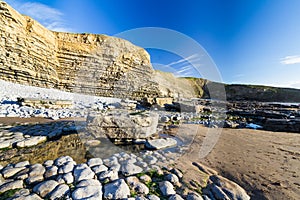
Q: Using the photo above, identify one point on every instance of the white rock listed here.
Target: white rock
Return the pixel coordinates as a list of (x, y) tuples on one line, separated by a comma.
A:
[(59, 192), (45, 187), (175, 197), (50, 171), (66, 167), (172, 178), (110, 174), (22, 164), (100, 168), (166, 188), (9, 172), (116, 190), (11, 185), (161, 143), (129, 169), (88, 189), (82, 172), (153, 197), (36, 170), (61, 160), (32, 141), (94, 161)]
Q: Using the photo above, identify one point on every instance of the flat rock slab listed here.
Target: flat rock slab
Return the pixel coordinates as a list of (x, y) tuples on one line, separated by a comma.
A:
[(32, 141), (161, 143), (123, 125)]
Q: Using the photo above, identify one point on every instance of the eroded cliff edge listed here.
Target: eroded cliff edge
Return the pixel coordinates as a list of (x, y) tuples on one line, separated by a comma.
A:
[(88, 63)]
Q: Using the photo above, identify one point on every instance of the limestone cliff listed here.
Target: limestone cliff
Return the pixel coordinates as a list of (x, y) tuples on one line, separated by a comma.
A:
[(93, 64), (102, 65)]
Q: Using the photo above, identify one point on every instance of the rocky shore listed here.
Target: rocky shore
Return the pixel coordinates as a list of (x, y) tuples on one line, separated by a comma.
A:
[(122, 176)]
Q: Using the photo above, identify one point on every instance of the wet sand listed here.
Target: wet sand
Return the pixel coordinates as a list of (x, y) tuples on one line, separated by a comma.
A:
[(266, 164)]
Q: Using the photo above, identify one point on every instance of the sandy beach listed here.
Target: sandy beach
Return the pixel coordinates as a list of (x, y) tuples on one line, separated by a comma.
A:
[(266, 164)]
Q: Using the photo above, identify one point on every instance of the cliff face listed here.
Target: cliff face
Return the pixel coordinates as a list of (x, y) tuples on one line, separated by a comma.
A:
[(102, 65), (93, 64)]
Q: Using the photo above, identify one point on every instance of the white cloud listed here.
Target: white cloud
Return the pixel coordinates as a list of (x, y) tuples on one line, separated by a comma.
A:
[(49, 17), (186, 67), (289, 60)]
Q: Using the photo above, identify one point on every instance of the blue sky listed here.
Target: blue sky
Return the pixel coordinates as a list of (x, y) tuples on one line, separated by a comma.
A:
[(250, 41)]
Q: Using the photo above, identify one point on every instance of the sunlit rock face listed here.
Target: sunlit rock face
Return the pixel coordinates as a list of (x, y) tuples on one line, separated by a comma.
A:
[(93, 64)]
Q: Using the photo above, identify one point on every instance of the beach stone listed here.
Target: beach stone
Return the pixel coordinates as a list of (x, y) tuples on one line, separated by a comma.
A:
[(205, 197), (66, 167), (21, 175), (172, 178), (175, 197), (32, 141), (28, 197), (45, 188), (59, 192), (194, 196), (21, 193), (48, 163), (123, 125), (110, 174), (166, 188), (88, 189), (34, 179), (9, 172), (232, 190), (218, 193), (140, 188), (11, 186), (62, 160), (22, 164), (36, 170), (177, 172), (145, 178), (111, 161), (160, 143), (50, 171), (94, 162), (6, 144), (82, 172), (89, 182), (129, 169), (116, 190), (68, 178), (100, 168), (135, 184), (153, 197)]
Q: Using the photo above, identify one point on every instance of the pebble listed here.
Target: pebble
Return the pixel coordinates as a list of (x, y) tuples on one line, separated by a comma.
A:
[(116, 190), (45, 188), (175, 197), (100, 168), (166, 188), (59, 192), (94, 162), (82, 172), (11, 185), (90, 189), (129, 169), (32, 141)]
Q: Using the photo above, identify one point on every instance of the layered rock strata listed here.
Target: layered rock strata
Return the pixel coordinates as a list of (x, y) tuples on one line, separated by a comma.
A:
[(93, 64)]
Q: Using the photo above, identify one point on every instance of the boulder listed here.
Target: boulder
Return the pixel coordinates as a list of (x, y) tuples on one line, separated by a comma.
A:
[(116, 190), (161, 143), (123, 125)]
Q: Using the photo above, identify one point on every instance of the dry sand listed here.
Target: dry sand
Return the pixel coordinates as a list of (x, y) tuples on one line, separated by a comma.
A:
[(266, 164)]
